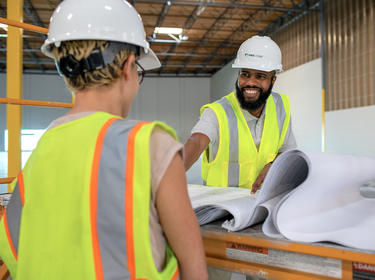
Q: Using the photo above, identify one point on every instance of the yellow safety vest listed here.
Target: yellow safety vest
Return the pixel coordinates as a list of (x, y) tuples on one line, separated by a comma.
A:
[(238, 162), (80, 207)]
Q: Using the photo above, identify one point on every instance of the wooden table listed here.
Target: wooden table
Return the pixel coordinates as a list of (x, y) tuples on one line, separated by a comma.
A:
[(251, 252)]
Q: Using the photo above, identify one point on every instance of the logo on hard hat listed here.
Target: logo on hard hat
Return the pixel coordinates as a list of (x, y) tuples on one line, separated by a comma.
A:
[(253, 55)]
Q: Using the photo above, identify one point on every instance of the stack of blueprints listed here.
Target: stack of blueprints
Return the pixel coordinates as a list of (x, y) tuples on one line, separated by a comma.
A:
[(306, 197)]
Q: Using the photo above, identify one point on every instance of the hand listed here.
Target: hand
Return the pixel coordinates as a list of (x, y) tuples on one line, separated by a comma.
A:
[(259, 181)]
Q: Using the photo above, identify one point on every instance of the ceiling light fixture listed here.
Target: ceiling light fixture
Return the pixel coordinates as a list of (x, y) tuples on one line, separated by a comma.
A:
[(4, 26), (168, 30)]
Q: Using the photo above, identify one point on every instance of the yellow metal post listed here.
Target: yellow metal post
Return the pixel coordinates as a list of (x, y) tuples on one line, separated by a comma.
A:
[(14, 87)]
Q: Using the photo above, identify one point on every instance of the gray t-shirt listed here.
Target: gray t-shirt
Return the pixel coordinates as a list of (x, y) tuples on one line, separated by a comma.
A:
[(208, 125)]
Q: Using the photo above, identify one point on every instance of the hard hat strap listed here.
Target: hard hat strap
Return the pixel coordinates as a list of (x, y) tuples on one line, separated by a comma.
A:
[(70, 67)]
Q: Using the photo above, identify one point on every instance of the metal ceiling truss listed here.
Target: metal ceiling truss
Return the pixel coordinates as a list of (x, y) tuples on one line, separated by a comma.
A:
[(38, 62), (224, 5), (191, 42), (2, 65), (3, 49), (243, 28), (216, 26), (30, 10), (261, 11), (186, 27), (33, 14), (161, 17), (3, 13), (284, 20), (290, 17)]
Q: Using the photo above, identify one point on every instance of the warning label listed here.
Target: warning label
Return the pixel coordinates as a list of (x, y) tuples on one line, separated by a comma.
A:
[(248, 248), (296, 261), (363, 271)]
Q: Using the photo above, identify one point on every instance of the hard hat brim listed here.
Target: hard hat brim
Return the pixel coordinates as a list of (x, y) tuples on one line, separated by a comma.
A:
[(277, 68), (149, 60)]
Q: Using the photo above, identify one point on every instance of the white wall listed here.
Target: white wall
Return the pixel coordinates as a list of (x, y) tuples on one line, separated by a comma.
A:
[(303, 86), (36, 87), (351, 131), (223, 81), (175, 101)]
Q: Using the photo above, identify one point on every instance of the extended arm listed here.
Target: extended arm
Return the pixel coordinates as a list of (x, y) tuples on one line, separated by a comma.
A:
[(179, 222), (194, 147)]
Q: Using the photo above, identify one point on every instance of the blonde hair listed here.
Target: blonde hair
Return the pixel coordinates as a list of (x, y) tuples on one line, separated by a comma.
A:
[(79, 49)]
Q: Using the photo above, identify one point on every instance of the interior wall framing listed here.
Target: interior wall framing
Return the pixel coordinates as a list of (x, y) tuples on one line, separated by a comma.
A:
[(350, 54), (350, 50), (299, 41)]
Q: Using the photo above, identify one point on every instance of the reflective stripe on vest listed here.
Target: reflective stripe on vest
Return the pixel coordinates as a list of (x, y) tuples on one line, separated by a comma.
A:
[(92, 232), (12, 216), (237, 161), (233, 166), (109, 246), (123, 253), (10, 227)]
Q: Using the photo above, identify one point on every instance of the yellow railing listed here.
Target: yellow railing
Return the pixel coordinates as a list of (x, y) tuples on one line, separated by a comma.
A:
[(25, 26), (15, 101)]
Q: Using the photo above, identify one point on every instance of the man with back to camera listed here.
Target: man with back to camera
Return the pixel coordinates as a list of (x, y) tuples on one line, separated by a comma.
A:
[(242, 133)]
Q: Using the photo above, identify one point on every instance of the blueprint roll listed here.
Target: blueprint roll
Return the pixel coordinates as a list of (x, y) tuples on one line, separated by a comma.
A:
[(329, 205)]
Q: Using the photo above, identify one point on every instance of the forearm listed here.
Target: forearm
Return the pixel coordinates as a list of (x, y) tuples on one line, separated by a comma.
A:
[(193, 148), (179, 222)]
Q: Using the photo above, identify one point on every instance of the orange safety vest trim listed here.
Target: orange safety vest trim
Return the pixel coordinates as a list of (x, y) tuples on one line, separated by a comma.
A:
[(99, 137)]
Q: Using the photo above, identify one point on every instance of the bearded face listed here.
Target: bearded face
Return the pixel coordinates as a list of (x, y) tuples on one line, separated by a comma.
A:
[(252, 98)]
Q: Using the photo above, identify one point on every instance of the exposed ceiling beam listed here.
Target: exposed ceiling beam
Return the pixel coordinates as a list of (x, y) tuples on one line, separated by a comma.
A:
[(186, 42), (223, 5), (33, 62), (187, 54), (33, 14), (184, 74), (162, 15), (3, 49), (3, 11), (215, 27), (282, 22), (288, 18), (2, 45), (186, 27), (243, 28), (195, 66), (180, 75)]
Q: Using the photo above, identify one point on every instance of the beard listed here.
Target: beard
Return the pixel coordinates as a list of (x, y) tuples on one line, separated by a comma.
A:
[(252, 105)]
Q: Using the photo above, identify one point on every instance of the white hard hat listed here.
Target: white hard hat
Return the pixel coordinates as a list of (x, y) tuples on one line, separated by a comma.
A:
[(110, 20), (260, 53)]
